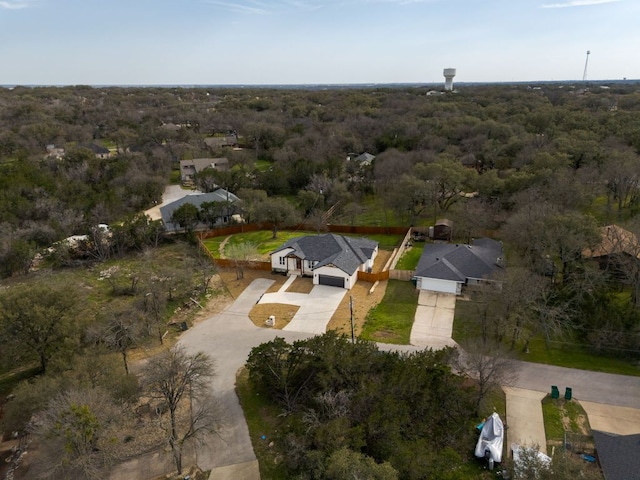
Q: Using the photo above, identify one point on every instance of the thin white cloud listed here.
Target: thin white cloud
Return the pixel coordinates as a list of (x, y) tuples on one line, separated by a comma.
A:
[(255, 8), (577, 3), (15, 4)]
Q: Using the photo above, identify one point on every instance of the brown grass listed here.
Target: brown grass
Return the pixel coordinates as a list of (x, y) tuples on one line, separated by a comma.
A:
[(301, 285), (282, 311), (363, 301)]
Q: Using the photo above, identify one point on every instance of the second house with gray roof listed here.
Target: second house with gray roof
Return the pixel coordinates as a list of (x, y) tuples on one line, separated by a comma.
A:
[(330, 259), (446, 267)]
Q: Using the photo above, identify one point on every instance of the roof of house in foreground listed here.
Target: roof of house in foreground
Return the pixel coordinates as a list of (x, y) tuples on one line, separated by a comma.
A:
[(619, 455), (345, 253), (458, 262)]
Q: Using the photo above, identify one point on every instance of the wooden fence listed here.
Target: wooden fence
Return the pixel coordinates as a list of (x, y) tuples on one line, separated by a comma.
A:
[(385, 274), (373, 277), (405, 275), (253, 227)]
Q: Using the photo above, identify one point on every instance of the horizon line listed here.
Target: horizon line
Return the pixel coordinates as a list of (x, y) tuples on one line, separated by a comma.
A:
[(314, 84)]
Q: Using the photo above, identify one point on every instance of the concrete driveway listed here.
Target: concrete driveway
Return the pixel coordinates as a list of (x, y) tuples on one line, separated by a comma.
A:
[(229, 337), (433, 323), (612, 419), (524, 418), (316, 307)]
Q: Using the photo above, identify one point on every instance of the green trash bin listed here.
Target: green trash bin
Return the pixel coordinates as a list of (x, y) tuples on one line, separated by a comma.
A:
[(555, 393), (568, 393)]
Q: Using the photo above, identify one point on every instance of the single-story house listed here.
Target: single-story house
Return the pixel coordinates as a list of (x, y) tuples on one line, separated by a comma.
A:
[(226, 141), (618, 455), (446, 267), (98, 150), (197, 199), (329, 258), (364, 159), (189, 168)]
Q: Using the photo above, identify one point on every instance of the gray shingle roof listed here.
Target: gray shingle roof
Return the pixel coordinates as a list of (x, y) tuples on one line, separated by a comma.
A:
[(619, 455), (458, 262), (345, 253), (197, 199)]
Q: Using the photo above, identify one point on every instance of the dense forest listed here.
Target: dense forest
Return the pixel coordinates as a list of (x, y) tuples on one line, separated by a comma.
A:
[(541, 168)]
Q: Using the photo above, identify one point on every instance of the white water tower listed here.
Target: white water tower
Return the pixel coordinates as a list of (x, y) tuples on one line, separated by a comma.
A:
[(449, 73)]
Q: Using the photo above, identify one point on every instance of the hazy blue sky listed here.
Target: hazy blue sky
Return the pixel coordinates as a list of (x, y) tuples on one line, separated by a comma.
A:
[(315, 41)]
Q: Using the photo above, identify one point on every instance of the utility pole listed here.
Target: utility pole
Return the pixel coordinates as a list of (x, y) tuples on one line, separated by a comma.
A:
[(353, 333)]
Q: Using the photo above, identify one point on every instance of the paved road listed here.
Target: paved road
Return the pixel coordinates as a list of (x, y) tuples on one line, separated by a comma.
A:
[(229, 336), (597, 387)]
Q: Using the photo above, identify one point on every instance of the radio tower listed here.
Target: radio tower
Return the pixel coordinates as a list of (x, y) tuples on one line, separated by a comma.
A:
[(584, 75)]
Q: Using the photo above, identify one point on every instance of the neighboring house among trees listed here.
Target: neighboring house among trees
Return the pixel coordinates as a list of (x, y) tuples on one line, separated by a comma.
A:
[(189, 168), (330, 259), (617, 248), (54, 152), (208, 217), (446, 267), (362, 160), (98, 150), (217, 143)]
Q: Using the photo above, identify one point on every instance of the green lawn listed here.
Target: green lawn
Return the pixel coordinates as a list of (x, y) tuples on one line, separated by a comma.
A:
[(562, 354), (391, 320), (262, 239), (262, 420), (263, 165), (562, 416), (411, 257)]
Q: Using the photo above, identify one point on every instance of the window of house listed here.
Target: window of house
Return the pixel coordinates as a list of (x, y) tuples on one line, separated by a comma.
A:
[(283, 261)]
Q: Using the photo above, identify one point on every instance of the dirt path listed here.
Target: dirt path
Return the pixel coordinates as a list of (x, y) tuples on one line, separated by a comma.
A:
[(222, 245)]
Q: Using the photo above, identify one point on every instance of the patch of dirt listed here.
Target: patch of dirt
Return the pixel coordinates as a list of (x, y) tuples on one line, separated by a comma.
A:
[(363, 301), (301, 285), (235, 287), (282, 311), (381, 260)]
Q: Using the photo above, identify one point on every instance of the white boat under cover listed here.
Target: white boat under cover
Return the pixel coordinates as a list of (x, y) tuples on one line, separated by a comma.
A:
[(491, 439)]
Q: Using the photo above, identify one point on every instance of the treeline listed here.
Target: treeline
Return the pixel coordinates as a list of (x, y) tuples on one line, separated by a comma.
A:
[(541, 168)]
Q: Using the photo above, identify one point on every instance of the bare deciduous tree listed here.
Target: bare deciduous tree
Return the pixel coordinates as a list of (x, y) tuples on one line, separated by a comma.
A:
[(489, 364), (182, 382)]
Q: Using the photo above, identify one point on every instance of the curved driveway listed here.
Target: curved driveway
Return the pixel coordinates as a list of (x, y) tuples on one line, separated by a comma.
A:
[(229, 336)]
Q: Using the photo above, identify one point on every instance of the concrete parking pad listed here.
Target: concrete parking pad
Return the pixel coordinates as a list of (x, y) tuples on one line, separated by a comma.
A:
[(247, 470), (316, 307), (612, 419), (433, 322), (525, 425)]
